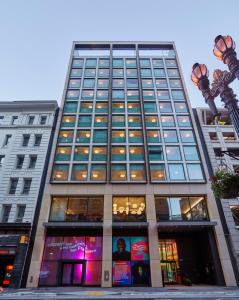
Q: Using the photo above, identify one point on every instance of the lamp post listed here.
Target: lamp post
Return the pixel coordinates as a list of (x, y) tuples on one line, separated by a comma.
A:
[(223, 50)]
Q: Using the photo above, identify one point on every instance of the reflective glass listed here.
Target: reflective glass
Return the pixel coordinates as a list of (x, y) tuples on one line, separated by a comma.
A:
[(176, 172), (173, 72), (155, 153), (163, 94), (144, 62), (70, 107), (173, 153), (178, 95), (184, 121), (89, 83), (137, 172), (76, 73), (136, 153), (118, 83), (132, 94), (118, 136), (134, 121), (157, 62), (83, 136), (135, 136), (63, 153), (130, 62), (153, 136), (190, 153), (195, 171), (101, 121), (181, 107), (68, 121), (167, 121), (161, 83), (165, 107), (72, 95), (118, 172), (60, 172), (77, 63), (159, 73), (98, 172), (132, 83), (131, 73), (103, 83), (84, 121), (102, 95), (133, 107), (118, 72), (150, 107), (81, 153), (175, 83), (118, 94), (91, 62), (87, 95), (151, 121), (101, 107), (90, 72), (103, 73), (118, 62), (57, 213), (157, 172), (170, 136), (118, 121), (118, 153), (65, 136), (74, 83), (147, 83), (104, 63), (99, 153), (118, 107), (86, 107), (145, 72), (187, 136), (148, 95), (100, 136)]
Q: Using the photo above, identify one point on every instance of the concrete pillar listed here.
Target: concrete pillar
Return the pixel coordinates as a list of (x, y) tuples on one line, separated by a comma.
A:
[(155, 268), (107, 243)]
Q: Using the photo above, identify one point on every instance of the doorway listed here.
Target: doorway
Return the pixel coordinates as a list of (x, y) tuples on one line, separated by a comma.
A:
[(72, 273), (6, 267)]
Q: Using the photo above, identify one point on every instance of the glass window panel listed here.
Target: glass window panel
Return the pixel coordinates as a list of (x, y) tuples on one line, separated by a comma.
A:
[(131, 73), (74, 83), (118, 72), (176, 172), (148, 95), (133, 107), (103, 83), (121, 273), (150, 107), (175, 83), (65, 136), (170, 136), (78, 63), (136, 153), (132, 94), (72, 95), (134, 121), (162, 205), (137, 172), (132, 83), (195, 171), (139, 249), (118, 136), (103, 73), (118, 121), (102, 95), (151, 121), (173, 72), (118, 107), (68, 121), (84, 121), (60, 172), (48, 273), (83, 136), (153, 136), (104, 63), (53, 247), (170, 62), (181, 107), (101, 121), (79, 172), (100, 136), (157, 172), (86, 107), (76, 73), (89, 83), (118, 94), (77, 211), (73, 247), (165, 107), (118, 172), (157, 62), (145, 72), (130, 62), (58, 208), (178, 95), (173, 153), (198, 208), (70, 107), (187, 136), (93, 249), (184, 121), (101, 107), (155, 153), (190, 153), (161, 83), (159, 73), (127, 209), (118, 62), (135, 136), (91, 62), (163, 95), (98, 172), (95, 210), (167, 121), (180, 209), (87, 95), (118, 153), (118, 83), (81, 153), (144, 62), (99, 153), (93, 273), (63, 153), (147, 83), (90, 72)]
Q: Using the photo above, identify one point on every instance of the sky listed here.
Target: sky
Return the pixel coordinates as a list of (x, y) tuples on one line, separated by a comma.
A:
[(36, 37)]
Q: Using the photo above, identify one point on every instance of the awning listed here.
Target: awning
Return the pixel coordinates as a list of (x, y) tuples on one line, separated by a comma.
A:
[(66, 225), (184, 225), (130, 225)]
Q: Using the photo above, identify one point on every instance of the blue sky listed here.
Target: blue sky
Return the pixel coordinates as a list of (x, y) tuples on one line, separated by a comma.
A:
[(36, 37)]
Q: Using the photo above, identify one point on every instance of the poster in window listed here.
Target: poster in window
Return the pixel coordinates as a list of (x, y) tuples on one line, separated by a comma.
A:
[(73, 247), (139, 248), (140, 273), (93, 250), (121, 248), (121, 273), (93, 273)]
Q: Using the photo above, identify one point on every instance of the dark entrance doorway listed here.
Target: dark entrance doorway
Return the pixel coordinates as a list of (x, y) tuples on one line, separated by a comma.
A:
[(6, 267), (72, 273)]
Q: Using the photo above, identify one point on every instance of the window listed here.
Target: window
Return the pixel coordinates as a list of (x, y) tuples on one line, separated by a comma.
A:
[(157, 62), (1, 120), (63, 153), (167, 121), (157, 172), (101, 121), (161, 83), (151, 121), (133, 107), (13, 186), (101, 107), (131, 73), (155, 153), (38, 138), (184, 121), (60, 172), (32, 161), (118, 172), (103, 73), (144, 63), (79, 172), (170, 136), (83, 136), (84, 121), (14, 120), (181, 107), (87, 95), (72, 95), (134, 121), (98, 172), (165, 107), (118, 121), (146, 73), (65, 136), (118, 153), (86, 107), (91, 62), (147, 83), (195, 171), (136, 153), (20, 213), (99, 153), (6, 208), (213, 136), (229, 136), (100, 136), (118, 83), (81, 153), (102, 95), (176, 172), (153, 136), (118, 62), (118, 136), (68, 121), (150, 107), (2, 157), (187, 136), (163, 95), (25, 140), (173, 72), (132, 94), (148, 95), (26, 185), (76, 73), (190, 153), (118, 95), (118, 73), (132, 83), (31, 120), (235, 213), (178, 95), (103, 83), (130, 62), (173, 153), (137, 172), (43, 120), (7, 139), (69, 107), (118, 107), (90, 72), (159, 73), (89, 83), (20, 160), (135, 136), (77, 63), (129, 209), (175, 83), (104, 63)]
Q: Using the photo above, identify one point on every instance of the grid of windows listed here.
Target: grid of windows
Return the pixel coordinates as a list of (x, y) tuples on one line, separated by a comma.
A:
[(130, 102)]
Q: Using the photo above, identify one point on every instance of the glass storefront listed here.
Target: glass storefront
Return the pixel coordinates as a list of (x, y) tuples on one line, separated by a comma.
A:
[(71, 260)]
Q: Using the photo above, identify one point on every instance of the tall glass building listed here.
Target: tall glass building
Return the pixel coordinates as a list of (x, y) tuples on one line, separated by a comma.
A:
[(127, 201)]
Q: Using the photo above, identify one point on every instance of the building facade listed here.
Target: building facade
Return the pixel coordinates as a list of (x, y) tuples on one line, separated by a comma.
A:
[(221, 136), (25, 131), (127, 200)]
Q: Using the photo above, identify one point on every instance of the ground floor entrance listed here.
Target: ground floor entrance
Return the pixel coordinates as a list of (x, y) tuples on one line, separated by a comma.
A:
[(6, 267), (72, 273)]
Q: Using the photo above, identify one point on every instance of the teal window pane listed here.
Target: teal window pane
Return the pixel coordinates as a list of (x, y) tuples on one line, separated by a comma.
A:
[(103, 73), (153, 136), (118, 62), (91, 62), (87, 95), (118, 72), (63, 153), (102, 95), (163, 95), (148, 95), (130, 62), (171, 63), (135, 136), (79, 172), (145, 72), (70, 107), (184, 121), (118, 172), (101, 121), (167, 121), (155, 153), (100, 136), (134, 121), (159, 73), (195, 171), (165, 107), (118, 94), (86, 107), (144, 63), (157, 172), (98, 172), (190, 153), (118, 107), (83, 136), (90, 72), (60, 172), (103, 83), (150, 107), (175, 83), (132, 94), (99, 154), (77, 63), (74, 83), (157, 63), (72, 95), (76, 73), (173, 153), (133, 107), (65, 136), (89, 83), (105, 63), (137, 172), (176, 172), (178, 95), (81, 153), (136, 153), (84, 121), (118, 121), (101, 107), (118, 83), (132, 83), (170, 136), (147, 83), (151, 121), (118, 136), (118, 153), (131, 73), (68, 121), (181, 107), (173, 72), (161, 83), (187, 136)]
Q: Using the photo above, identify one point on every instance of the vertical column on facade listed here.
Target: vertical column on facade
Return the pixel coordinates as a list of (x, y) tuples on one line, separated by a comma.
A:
[(107, 243), (155, 268)]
